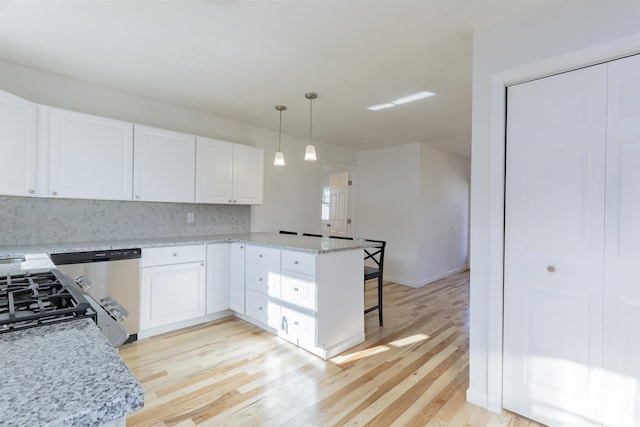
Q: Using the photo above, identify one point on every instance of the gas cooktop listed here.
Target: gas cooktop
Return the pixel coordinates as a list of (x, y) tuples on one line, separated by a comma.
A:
[(37, 298)]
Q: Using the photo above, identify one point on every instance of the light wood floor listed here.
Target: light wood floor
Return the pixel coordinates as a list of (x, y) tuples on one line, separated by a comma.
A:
[(411, 372)]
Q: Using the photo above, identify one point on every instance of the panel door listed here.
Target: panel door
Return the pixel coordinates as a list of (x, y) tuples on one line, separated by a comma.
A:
[(214, 171), (17, 146), (172, 293), (164, 165), (236, 278), (554, 240), (248, 174), (217, 277), (622, 250), (91, 157), (339, 204)]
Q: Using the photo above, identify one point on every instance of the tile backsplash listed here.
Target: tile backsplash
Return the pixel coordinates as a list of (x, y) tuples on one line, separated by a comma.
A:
[(25, 221)]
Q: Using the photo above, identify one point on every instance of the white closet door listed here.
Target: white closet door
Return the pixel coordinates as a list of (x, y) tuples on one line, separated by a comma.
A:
[(554, 244), (622, 251)]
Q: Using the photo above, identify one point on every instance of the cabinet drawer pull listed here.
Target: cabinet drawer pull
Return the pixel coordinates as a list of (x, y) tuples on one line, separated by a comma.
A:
[(296, 289), (259, 279), (32, 191), (55, 193), (296, 262), (296, 323), (260, 308), (175, 254), (260, 255)]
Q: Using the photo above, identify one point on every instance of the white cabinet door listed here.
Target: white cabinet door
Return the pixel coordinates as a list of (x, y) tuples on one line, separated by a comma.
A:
[(214, 171), (217, 277), (236, 278), (228, 173), (90, 157), (164, 165), (248, 174), (622, 250), (172, 293), (554, 247), (17, 146)]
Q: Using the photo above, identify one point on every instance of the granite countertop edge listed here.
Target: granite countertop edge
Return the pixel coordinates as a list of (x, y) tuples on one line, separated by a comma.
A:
[(308, 244), (69, 395)]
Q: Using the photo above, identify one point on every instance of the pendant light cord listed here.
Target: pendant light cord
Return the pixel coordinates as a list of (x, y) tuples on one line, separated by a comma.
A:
[(280, 132), (311, 121)]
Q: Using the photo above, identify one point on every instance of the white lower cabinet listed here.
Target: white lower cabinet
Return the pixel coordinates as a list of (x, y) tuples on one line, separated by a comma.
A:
[(173, 287), (236, 277), (262, 284), (313, 300), (217, 277)]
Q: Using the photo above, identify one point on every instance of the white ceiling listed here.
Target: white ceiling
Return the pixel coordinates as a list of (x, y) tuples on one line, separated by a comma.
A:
[(239, 58)]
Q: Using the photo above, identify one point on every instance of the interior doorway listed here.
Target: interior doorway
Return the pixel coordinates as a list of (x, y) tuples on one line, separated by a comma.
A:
[(337, 201)]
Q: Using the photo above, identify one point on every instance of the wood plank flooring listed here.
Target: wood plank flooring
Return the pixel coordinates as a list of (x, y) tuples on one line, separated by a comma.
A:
[(411, 372)]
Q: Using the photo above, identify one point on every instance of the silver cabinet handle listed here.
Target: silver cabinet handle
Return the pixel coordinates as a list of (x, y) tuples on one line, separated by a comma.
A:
[(32, 191), (551, 269), (137, 196), (175, 254), (55, 193), (260, 255), (260, 308), (230, 201), (259, 279), (296, 262), (202, 264), (296, 289), (296, 323)]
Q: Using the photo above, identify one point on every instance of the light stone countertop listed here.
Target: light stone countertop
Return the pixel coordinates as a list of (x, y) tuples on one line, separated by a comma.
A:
[(315, 245), (64, 374)]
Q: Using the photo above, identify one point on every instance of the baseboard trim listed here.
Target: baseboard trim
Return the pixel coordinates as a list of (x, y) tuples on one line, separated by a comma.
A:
[(424, 282), (478, 399)]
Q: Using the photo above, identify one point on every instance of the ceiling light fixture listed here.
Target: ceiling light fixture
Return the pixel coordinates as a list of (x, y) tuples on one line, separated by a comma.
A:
[(279, 159), (404, 100), (310, 152)]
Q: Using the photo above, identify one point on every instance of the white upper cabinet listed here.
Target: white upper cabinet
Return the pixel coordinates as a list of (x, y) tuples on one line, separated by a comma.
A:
[(248, 174), (229, 173), (90, 157), (214, 171), (164, 165), (17, 146)]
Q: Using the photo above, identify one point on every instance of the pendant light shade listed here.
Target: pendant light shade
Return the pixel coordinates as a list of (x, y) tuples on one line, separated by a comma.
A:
[(310, 152), (279, 159)]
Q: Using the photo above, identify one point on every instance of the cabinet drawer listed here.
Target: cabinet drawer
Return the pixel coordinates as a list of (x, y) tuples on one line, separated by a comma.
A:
[(299, 290), (259, 307), (173, 255), (300, 262), (298, 327), (262, 255), (263, 278)]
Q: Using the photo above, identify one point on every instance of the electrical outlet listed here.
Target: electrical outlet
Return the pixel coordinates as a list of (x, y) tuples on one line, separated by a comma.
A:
[(191, 218)]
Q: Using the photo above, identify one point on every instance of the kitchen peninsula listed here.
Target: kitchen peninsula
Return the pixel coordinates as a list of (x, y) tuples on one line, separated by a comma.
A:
[(307, 290)]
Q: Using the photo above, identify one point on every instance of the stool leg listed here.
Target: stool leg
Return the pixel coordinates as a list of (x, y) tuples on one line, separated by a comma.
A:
[(380, 300)]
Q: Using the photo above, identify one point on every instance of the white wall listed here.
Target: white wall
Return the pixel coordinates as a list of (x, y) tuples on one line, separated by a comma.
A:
[(416, 198), (517, 48), (387, 200), (292, 193), (443, 238)]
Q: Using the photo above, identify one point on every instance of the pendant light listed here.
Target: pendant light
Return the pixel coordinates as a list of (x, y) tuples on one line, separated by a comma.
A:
[(279, 159), (310, 152)]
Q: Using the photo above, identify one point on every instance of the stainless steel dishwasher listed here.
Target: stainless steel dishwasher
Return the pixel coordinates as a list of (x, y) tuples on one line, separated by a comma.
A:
[(112, 273)]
